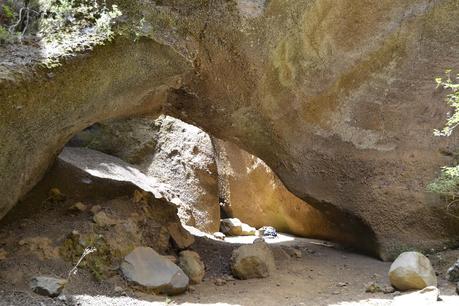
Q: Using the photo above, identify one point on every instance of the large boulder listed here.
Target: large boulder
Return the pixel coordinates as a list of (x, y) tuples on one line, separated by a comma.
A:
[(253, 261), (412, 271), (149, 270), (169, 151)]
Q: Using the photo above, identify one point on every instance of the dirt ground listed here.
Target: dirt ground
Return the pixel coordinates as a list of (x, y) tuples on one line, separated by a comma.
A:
[(325, 274)]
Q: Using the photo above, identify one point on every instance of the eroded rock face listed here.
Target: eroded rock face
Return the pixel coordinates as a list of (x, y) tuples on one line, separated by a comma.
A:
[(252, 193), (42, 109), (337, 98), (169, 151)]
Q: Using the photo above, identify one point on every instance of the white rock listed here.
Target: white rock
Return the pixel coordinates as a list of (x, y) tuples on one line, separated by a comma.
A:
[(412, 271)]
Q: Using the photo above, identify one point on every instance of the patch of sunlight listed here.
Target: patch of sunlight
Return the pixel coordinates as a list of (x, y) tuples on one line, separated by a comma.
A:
[(101, 300), (404, 300), (281, 238), (368, 302)]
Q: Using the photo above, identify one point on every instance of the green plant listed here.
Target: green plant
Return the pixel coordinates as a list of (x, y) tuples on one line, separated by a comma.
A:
[(447, 184), (453, 101), (8, 11)]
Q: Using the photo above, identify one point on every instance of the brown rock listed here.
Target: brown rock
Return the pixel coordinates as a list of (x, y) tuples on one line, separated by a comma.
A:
[(102, 219), (234, 227), (252, 261), (192, 265), (78, 207), (181, 237)]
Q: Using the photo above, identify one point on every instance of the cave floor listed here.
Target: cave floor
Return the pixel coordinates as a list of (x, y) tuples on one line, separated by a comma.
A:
[(325, 274)]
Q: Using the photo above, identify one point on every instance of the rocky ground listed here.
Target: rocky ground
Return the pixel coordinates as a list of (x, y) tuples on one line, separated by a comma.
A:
[(320, 273)]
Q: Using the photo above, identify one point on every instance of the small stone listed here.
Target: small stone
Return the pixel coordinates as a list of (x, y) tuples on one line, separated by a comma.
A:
[(102, 219), (388, 290), (172, 258), (343, 284), (3, 254), (182, 238), (373, 288), (292, 252), (220, 282), (228, 278), (453, 272), (252, 261), (118, 289), (95, 209), (78, 207), (47, 286), (192, 265), (258, 240), (219, 235), (411, 271), (56, 196)]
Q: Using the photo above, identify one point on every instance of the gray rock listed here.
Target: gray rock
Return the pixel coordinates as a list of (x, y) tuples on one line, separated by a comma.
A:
[(149, 270), (453, 272), (412, 271), (47, 286), (192, 265), (252, 261)]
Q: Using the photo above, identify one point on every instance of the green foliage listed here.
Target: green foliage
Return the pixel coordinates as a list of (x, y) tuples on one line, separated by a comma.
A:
[(453, 101), (99, 263), (447, 184), (8, 11)]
